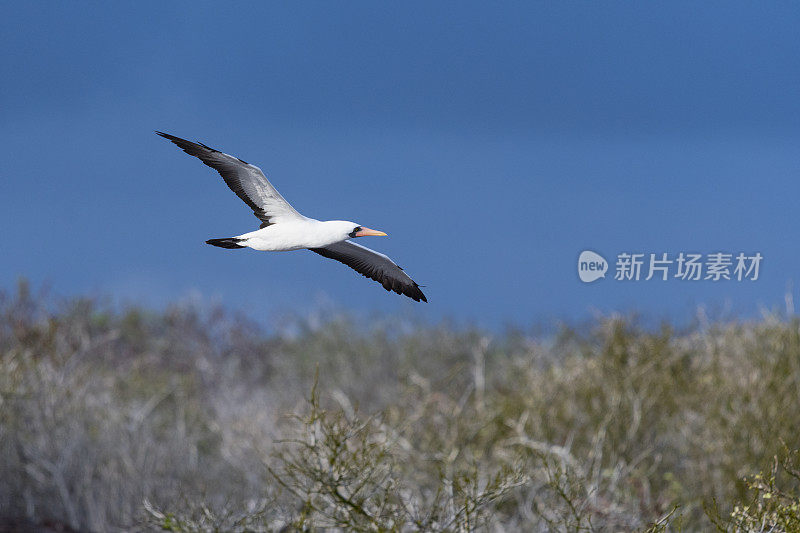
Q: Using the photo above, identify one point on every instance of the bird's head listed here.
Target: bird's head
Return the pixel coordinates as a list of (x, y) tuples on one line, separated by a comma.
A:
[(352, 230), (361, 231)]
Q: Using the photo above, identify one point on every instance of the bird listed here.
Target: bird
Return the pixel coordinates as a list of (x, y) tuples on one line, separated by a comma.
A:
[(283, 228)]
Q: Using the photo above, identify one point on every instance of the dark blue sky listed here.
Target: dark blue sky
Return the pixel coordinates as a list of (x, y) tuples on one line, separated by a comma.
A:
[(493, 144)]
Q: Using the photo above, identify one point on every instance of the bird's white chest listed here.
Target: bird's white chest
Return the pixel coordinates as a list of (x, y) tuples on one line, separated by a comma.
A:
[(291, 236)]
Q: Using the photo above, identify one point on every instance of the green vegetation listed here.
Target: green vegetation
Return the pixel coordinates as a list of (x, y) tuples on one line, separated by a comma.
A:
[(196, 420)]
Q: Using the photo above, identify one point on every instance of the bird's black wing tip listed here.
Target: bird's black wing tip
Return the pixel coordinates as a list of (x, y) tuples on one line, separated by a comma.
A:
[(169, 137), (188, 146), (415, 294), (419, 295)]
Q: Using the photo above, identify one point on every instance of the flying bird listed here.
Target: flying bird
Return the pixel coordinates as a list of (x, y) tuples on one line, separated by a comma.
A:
[(283, 228)]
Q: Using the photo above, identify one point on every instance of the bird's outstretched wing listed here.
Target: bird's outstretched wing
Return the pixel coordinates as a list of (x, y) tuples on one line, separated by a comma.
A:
[(373, 265), (246, 180)]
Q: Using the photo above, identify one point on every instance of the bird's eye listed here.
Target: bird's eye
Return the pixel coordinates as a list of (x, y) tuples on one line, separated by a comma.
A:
[(356, 230)]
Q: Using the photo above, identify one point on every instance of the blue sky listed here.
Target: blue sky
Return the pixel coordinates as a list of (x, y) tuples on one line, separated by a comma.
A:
[(492, 142)]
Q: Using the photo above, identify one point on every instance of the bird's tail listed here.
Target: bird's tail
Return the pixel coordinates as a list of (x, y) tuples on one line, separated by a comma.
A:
[(230, 243)]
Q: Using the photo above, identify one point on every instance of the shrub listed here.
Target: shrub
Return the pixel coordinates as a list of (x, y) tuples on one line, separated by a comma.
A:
[(127, 418)]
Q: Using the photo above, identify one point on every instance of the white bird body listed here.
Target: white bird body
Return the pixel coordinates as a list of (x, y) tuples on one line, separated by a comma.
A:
[(284, 229), (297, 235)]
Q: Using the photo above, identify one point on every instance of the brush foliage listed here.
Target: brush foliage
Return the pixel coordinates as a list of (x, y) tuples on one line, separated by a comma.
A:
[(196, 420)]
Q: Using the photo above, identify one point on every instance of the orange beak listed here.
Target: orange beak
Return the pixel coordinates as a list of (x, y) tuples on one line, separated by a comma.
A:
[(366, 232)]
